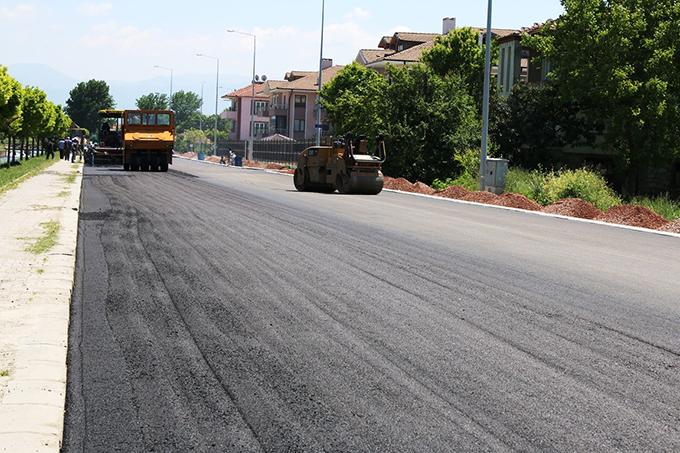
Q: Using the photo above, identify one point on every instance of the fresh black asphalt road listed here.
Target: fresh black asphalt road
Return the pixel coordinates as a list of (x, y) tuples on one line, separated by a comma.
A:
[(217, 309)]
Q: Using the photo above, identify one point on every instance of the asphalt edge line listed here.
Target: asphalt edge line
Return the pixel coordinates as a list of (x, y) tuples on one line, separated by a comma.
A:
[(474, 203)]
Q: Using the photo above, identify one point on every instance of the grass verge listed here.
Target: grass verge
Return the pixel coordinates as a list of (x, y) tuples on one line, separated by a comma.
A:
[(662, 205), (12, 176), (47, 240)]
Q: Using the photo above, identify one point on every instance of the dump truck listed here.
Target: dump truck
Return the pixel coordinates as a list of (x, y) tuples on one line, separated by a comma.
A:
[(137, 139), (347, 167)]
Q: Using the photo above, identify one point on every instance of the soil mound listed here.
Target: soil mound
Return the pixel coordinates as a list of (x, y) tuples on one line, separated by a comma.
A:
[(573, 207), (188, 155), (514, 200), (633, 215), (672, 227), (421, 187), (399, 184), (482, 197), (455, 192), (274, 167)]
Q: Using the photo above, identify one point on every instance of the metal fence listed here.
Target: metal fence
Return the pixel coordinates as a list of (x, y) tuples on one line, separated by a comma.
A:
[(271, 151)]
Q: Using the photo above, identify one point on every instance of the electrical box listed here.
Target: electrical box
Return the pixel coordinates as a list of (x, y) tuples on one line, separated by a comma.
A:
[(496, 171)]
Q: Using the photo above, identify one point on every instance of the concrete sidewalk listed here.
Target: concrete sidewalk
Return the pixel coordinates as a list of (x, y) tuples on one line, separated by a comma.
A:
[(39, 224)]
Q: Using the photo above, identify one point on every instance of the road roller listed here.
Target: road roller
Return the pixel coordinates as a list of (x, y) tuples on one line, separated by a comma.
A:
[(348, 167)]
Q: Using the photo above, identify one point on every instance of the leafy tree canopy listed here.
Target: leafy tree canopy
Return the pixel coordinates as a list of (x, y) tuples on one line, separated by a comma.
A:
[(10, 103), (618, 60), (37, 113), (185, 104), (153, 101), (85, 101)]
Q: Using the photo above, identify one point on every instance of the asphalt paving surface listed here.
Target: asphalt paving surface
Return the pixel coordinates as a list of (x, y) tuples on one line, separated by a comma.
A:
[(217, 309)]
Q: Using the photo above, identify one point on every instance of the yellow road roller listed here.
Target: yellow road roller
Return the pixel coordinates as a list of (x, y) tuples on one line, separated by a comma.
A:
[(348, 167)]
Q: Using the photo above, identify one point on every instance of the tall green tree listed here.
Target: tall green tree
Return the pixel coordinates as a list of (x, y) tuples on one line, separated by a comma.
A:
[(153, 101), (459, 54), (186, 105), (10, 103), (37, 114), (618, 60), (85, 101)]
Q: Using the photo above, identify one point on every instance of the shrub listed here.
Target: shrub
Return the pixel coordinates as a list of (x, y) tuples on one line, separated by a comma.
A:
[(531, 184), (582, 183)]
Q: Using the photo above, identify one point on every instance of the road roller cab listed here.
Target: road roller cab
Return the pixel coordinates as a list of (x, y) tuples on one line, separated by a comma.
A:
[(348, 167)]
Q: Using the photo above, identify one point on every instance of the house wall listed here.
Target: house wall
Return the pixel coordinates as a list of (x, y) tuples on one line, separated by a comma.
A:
[(509, 66)]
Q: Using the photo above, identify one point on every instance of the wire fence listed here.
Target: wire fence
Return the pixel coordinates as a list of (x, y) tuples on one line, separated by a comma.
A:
[(269, 151)]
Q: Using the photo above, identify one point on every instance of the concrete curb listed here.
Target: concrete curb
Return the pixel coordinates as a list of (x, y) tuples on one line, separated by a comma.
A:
[(32, 409)]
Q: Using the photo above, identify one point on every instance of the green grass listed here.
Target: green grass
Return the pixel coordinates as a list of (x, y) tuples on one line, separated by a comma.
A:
[(63, 194), (12, 176), (70, 179), (531, 184), (4, 373), (48, 240), (40, 271), (662, 205)]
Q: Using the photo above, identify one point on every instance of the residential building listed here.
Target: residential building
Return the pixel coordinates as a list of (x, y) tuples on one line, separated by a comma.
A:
[(292, 102), (407, 48), (517, 62), (239, 113)]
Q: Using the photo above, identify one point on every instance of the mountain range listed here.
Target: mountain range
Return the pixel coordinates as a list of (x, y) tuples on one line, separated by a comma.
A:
[(58, 85)]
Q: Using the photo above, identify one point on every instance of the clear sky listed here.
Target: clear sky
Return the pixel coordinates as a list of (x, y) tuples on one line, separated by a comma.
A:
[(124, 39)]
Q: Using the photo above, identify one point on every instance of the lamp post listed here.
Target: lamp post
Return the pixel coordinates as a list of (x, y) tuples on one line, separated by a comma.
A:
[(171, 71), (318, 94), (252, 82), (217, 84), (485, 105)]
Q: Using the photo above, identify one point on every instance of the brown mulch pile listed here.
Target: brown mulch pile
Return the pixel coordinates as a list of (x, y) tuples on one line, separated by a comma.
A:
[(455, 192), (399, 184), (514, 200), (573, 207), (672, 227), (421, 187), (213, 159), (482, 197), (274, 166), (633, 215), (188, 155)]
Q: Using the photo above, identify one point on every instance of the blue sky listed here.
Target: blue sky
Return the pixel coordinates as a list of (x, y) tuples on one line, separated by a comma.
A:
[(122, 40)]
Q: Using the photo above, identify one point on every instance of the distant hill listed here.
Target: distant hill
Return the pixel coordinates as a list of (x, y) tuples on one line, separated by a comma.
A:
[(125, 93)]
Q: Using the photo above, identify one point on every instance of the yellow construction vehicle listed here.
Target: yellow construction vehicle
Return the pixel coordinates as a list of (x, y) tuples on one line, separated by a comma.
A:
[(139, 139), (347, 167)]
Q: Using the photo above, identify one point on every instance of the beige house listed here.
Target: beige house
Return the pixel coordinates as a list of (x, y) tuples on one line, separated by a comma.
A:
[(292, 102)]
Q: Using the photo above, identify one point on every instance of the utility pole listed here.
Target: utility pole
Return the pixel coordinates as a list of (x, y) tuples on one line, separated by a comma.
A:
[(318, 93), (485, 105), (252, 83)]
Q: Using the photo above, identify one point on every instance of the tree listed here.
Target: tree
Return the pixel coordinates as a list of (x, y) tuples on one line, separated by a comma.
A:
[(85, 101), (192, 140), (185, 104), (153, 101), (426, 119), (353, 101), (459, 54), (10, 104), (535, 119), (62, 123), (37, 114), (618, 59)]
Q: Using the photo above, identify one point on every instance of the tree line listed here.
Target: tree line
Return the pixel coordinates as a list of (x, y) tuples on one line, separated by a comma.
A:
[(613, 85), (27, 117)]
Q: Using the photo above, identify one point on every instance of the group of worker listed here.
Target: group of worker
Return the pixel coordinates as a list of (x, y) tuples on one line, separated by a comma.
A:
[(69, 148)]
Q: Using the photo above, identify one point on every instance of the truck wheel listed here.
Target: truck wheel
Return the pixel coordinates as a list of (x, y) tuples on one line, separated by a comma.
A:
[(126, 167)]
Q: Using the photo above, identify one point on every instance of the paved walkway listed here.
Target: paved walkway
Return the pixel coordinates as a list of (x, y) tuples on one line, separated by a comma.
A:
[(39, 223)]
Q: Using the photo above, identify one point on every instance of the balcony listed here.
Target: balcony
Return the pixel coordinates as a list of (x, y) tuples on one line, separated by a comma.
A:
[(276, 110)]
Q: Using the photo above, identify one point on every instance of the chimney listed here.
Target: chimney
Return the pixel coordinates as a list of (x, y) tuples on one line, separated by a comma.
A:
[(449, 23), (326, 63)]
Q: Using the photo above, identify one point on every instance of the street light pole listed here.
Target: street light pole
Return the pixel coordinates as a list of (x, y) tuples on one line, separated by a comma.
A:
[(217, 85), (318, 94), (252, 82), (485, 105), (171, 74)]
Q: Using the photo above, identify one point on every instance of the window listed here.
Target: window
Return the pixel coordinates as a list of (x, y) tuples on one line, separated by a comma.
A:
[(259, 107), (299, 125), (163, 119), (300, 100), (149, 119), (259, 129), (134, 118)]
